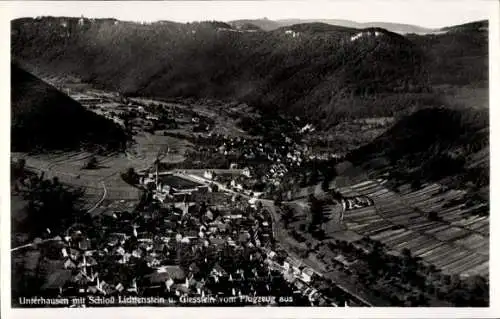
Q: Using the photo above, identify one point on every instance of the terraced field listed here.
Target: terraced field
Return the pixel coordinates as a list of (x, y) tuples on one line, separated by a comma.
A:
[(456, 242), (68, 168)]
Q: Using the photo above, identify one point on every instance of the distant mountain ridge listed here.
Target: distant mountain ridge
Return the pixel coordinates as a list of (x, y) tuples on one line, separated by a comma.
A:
[(476, 26), (321, 71), (269, 25), (393, 27), (401, 28), (324, 73)]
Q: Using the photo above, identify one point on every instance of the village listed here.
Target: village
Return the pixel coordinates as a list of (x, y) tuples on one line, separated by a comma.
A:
[(250, 162), (199, 231), (263, 160), (209, 227), (176, 246)]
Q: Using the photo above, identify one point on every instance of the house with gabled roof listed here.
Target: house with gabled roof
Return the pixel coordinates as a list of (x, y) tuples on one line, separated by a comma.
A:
[(69, 264), (174, 272), (84, 244), (307, 274), (119, 251), (217, 270), (74, 253)]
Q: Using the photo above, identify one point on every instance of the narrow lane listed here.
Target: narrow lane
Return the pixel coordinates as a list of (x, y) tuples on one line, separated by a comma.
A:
[(99, 202), (340, 280), (282, 237)]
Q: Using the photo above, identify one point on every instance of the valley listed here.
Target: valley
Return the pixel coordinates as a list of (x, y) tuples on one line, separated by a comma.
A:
[(355, 173)]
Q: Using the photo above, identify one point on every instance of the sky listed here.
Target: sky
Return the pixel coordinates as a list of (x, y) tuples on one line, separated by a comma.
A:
[(425, 13)]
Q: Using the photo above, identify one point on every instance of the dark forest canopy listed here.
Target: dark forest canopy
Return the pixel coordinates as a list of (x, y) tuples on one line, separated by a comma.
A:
[(322, 71), (44, 118), (432, 144)]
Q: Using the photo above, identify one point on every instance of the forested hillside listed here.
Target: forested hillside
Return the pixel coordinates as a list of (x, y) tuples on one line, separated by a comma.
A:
[(432, 145), (326, 72), (45, 119)]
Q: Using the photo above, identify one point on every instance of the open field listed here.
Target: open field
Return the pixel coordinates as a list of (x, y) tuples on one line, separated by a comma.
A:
[(104, 187), (456, 242), (145, 150), (105, 190), (68, 168)]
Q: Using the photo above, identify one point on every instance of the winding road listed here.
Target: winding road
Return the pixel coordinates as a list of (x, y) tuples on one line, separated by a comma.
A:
[(277, 230), (99, 202), (281, 236)]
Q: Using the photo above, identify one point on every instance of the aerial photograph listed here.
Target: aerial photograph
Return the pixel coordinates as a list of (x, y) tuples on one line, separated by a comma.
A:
[(212, 159)]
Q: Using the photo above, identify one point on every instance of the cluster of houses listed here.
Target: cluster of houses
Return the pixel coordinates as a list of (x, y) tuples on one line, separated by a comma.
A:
[(166, 190), (177, 250), (232, 171), (350, 203), (270, 161), (127, 113), (298, 275), (115, 109), (235, 179), (276, 173)]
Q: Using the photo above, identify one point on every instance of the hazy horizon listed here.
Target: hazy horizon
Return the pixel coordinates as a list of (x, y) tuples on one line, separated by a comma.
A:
[(424, 13), (263, 19)]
